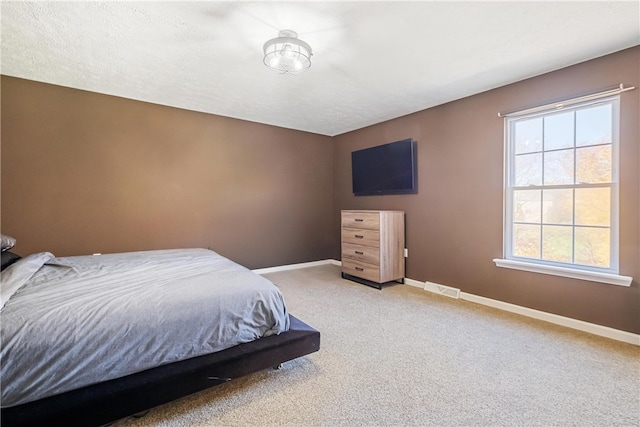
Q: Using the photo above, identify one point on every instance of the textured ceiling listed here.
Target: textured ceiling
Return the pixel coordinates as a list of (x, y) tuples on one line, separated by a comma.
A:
[(372, 61)]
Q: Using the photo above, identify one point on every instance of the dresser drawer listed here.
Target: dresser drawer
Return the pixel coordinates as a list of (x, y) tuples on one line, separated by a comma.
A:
[(361, 236), (361, 269), (369, 220), (368, 254)]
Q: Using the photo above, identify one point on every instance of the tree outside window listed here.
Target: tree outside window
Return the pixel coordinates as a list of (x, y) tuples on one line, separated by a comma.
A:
[(561, 186)]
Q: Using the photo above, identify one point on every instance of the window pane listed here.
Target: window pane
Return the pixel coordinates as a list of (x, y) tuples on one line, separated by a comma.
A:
[(558, 206), (528, 136), (526, 240), (527, 206), (560, 194), (557, 243), (528, 169), (594, 125), (592, 246), (558, 167), (593, 164), (593, 206), (558, 131)]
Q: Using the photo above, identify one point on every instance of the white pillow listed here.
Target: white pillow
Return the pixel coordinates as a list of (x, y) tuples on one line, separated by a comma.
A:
[(7, 242), (18, 273)]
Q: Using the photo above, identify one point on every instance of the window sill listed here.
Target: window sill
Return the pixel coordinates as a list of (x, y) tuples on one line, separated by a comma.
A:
[(593, 276)]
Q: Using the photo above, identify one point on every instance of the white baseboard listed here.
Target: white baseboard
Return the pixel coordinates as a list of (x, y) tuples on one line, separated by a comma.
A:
[(592, 328), (295, 266), (580, 325), (412, 282)]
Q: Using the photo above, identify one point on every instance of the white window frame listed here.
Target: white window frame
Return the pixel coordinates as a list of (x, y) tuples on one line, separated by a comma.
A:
[(603, 275)]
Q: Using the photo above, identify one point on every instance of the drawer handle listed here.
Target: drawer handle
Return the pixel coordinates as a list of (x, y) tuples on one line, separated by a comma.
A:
[(359, 268), (359, 236), (359, 220), (359, 252)]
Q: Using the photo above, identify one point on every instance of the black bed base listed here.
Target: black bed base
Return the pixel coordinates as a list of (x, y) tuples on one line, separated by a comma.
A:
[(103, 403)]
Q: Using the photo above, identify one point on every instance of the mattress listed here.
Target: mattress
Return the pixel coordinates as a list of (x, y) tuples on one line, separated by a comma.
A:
[(68, 322)]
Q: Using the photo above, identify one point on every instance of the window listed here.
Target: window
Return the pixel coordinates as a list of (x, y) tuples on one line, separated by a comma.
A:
[(561, 191)]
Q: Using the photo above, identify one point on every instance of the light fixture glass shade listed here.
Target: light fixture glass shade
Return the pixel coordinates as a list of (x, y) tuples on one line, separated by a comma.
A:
[(287, 53)]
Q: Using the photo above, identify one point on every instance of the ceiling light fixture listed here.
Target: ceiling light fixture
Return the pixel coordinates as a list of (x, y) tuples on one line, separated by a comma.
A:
[(287, 53)]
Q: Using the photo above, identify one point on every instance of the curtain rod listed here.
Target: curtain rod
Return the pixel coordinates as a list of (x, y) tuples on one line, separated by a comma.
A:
[(564, 102)]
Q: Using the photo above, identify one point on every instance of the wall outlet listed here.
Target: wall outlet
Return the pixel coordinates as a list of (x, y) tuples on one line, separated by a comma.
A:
[(406, 253)]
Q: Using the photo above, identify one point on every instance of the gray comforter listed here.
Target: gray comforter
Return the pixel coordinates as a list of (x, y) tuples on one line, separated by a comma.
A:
[(75, 321)]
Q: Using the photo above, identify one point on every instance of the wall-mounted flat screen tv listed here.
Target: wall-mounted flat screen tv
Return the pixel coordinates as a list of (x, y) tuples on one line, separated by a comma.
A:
[(385, 169)]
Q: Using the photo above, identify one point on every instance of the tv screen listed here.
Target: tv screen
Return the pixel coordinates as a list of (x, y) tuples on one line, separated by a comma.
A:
[(385, 169)]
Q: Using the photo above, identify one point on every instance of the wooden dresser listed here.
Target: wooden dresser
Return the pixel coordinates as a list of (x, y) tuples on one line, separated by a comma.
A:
[(373, 246)]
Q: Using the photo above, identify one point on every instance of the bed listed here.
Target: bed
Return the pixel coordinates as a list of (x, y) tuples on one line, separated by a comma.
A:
[(88, 340)]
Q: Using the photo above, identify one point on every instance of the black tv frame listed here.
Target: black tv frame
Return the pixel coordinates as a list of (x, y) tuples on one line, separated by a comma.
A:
[(386, 191)]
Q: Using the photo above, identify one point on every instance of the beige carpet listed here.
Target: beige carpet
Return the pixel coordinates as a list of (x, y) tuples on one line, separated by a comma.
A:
[(406, 357)]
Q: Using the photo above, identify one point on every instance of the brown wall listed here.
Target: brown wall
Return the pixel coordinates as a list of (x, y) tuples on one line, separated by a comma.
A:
[(454, 223), (85, 173)]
